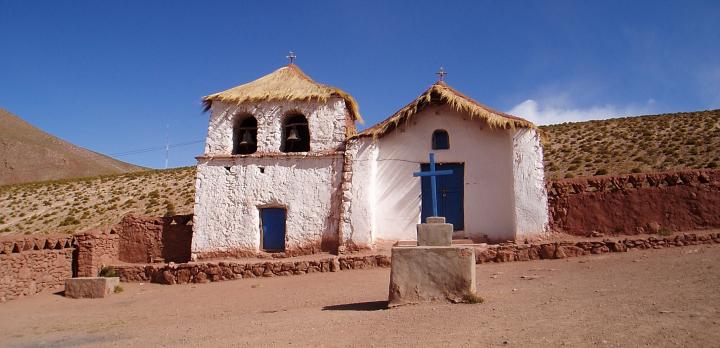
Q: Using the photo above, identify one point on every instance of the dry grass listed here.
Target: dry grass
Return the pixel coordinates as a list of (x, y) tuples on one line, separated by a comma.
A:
[(68, 206), (676, 141)]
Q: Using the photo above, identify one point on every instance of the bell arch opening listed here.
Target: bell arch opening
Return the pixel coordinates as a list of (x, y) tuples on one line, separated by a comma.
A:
[(295, 134), (245, 136)]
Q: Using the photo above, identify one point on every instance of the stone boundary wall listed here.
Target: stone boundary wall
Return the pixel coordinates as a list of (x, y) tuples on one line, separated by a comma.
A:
[(635, 203), (560, 250), (95, 249), (29, 265), (203, 272), (149, 239)]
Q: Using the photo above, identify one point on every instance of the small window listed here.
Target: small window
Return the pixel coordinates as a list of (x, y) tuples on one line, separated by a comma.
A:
[(440, 140), (296, 134), (245, 136)]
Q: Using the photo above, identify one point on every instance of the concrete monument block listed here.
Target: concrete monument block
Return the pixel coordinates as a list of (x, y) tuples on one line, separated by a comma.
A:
[(90, 287), (435, 232), (431, 273)]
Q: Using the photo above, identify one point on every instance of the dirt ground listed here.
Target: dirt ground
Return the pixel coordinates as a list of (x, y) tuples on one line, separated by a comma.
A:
[(668, 297)]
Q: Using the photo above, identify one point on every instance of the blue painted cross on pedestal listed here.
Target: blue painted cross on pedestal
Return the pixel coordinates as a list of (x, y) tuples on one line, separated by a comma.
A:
[(432, 174)]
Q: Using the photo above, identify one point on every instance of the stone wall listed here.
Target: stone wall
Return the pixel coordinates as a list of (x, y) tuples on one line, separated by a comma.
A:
[(145, 239), (95, 249), (635, 203), (34, 264), (203, 272), (509, 252)]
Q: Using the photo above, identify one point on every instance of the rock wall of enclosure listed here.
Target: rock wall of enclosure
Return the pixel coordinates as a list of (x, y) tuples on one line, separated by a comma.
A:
[(635, 203), (34, 264), (146, 240)]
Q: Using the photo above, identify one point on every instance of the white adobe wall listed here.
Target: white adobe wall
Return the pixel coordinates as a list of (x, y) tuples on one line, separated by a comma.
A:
[(488, 157), (326, 122), (227, 202), (531, 208), (362, 207)]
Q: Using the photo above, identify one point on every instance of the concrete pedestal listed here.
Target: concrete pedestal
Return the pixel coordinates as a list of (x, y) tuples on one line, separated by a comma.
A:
[(431, 273), (435, 232), (90, 287)]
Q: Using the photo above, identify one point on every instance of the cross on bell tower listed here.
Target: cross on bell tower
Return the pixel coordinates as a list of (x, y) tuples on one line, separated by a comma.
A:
[(291, 56), (441, 74)]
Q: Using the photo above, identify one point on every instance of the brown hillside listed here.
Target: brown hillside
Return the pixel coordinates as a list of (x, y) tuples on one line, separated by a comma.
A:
[(68, 206), (633, 144), (645, 143), (27, 154)]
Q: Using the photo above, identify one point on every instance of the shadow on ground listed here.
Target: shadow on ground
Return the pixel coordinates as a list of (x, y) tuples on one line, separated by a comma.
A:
[(359, 306)]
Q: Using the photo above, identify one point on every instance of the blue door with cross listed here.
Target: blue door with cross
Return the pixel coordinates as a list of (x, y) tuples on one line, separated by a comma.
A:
[(273, 228), (449, 191)]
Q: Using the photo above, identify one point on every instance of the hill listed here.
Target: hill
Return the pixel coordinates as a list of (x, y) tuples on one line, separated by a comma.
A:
[(623, 145), (68, 206), (27, 154), (633, 144)]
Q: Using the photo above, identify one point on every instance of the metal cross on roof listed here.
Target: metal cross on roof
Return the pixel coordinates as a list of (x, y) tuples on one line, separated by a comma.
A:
[(441, 74), (291, 57), (432, 173)]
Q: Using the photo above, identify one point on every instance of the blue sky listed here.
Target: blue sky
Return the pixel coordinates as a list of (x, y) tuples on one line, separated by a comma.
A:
[(111, 75)]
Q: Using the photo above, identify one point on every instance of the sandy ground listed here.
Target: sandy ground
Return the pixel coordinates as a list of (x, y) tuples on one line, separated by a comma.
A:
[(668, 297)]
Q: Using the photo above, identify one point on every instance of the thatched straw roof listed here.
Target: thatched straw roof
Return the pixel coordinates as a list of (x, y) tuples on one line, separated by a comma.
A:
[(441, 93), (287, 83)]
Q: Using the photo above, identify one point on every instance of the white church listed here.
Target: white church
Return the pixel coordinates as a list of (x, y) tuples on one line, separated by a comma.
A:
[(285, 170)]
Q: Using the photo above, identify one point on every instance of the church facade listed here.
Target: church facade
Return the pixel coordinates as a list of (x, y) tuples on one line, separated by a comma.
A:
[(284, 170)]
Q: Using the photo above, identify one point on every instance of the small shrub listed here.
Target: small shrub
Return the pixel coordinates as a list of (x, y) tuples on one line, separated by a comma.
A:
[(108, 271), (170, 209), (118, 289), (601, 171), (712, 165), (569, 176), (635, 170), (473, 299), (69, 220), (664, 231)]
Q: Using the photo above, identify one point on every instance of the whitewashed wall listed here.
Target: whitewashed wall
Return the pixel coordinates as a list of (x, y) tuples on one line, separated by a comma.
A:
[(326, 122), (227, 202), (531, 208), (487, 154), (362, 216)]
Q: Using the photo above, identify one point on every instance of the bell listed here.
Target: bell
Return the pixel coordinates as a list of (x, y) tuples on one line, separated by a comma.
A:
[(246, 139), (293, 136)]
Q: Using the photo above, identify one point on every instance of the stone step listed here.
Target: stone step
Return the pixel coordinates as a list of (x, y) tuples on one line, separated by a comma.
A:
[(463, 241)]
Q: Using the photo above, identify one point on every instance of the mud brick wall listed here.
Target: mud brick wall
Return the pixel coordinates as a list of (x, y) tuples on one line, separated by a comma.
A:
[(635, 203), (32, 265), (95, 249), (143, 239)]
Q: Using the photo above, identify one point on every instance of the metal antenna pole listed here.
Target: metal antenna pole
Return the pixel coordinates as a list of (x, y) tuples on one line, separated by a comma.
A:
[(167, 144)]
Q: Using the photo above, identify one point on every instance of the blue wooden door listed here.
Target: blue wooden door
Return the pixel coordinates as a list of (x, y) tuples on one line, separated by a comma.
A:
[(450, 194), (273, 228)]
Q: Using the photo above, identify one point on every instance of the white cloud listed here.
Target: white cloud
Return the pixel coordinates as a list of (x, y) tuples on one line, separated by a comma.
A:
[(559, 109)]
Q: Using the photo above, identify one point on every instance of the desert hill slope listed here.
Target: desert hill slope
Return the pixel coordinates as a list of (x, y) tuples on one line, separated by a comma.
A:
[(645, 143), (684, 140), (27, 154)]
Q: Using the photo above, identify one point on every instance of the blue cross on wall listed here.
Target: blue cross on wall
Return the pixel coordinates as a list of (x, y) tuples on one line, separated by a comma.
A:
[(432, 174)]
